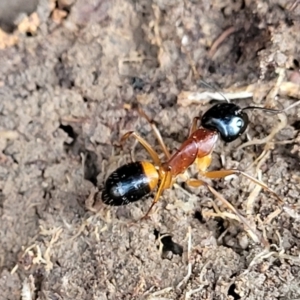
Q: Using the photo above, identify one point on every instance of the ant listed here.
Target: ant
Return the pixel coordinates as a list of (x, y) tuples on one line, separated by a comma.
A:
[(132, 181)]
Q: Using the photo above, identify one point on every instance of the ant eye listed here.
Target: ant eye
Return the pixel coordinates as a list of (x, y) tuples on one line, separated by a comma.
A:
[(226, 118), (239, 123)]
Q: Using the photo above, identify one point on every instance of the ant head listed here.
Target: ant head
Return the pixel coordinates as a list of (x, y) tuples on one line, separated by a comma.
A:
[(226, 118)]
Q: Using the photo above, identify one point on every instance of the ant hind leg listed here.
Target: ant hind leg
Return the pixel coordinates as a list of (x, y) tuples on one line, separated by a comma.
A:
[(144, 143), (156, 133)]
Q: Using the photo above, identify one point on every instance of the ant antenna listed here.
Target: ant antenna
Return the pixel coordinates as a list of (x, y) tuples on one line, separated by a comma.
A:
[(213, 88), (272, 110)]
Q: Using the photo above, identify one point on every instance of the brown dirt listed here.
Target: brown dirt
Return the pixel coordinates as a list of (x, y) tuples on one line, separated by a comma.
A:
[(66, 93)]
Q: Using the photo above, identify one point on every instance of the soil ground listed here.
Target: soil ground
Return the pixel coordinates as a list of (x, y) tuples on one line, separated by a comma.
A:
[(69, 82)]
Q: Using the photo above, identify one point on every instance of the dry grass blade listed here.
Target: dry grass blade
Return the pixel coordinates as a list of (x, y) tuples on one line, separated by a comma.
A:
[(187, 277)]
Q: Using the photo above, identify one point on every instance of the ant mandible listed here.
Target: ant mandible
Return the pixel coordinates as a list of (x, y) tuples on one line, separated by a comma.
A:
[(133, 181)]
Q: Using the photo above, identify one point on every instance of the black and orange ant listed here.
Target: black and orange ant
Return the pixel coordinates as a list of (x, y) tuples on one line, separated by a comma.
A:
[(133, 181)]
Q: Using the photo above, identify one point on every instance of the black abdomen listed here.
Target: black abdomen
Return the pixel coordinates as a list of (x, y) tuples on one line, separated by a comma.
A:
[(130, 183)]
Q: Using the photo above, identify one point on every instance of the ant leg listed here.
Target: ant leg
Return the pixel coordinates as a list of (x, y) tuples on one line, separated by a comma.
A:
[(165, 183), (224, 173), (194, 125), (197, 183), (144, 143), (156, 133)]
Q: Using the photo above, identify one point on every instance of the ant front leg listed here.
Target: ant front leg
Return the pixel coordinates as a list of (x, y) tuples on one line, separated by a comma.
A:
[(194, 125), (225, 173), (144, 143)]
